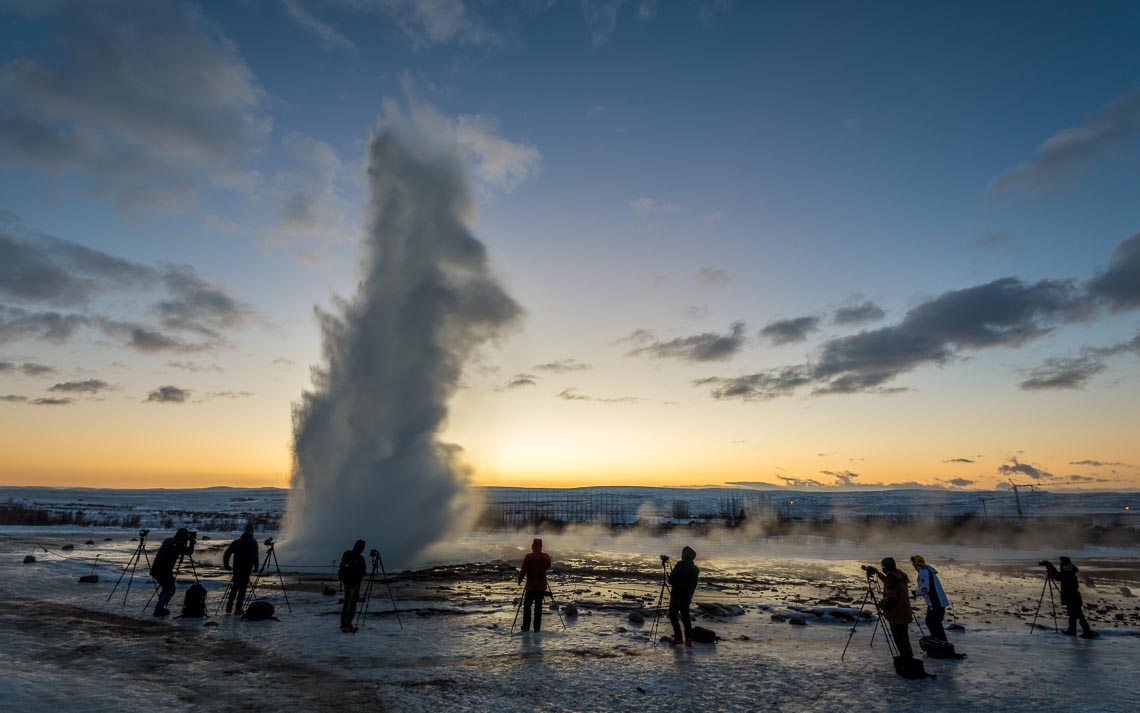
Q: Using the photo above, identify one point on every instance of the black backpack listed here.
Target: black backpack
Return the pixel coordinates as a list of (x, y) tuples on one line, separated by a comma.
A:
[(701, 635), (258, 611), (910, 667), (939, 649), (194, 606)]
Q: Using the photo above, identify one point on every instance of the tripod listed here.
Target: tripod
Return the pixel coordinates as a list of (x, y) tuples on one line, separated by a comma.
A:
[(871, 597), (555, 604), (270, 554), (177, 569), (1051, 586), (660, 598), (132, 564), (377, 562)]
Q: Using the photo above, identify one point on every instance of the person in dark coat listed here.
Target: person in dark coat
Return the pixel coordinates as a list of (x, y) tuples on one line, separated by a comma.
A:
[(534, 568), (682, 585), (352, 571), (1071, 597), (165, 560), (895, 604), (246, 557)]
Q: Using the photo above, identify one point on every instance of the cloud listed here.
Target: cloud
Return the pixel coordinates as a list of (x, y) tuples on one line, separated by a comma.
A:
[(958, 460), (168, 395), (194, 367), (1100, 463), (601, 18), (1118, 287), (647, 9), (283, 361), (858, 314), (712, 277), (149, 99), (647, 208), (1064, 156), (229, 395), (757, 387), (497, 163), (1062, 373), (13, 398), (17, 324), (636, 337), (519, 381), (88, 386), (789, 331), (562, 366), (572, 394), (27, 368), (1015, 467), (959, 482), (195, 305), (596, 111), (1085, 479), (842, 478), (327, 34), (704, 347), (51, 402)]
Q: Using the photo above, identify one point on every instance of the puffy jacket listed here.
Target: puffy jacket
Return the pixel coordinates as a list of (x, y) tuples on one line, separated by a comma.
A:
[(245, 553), (896, 597), (1070, 588), (167, 556), (534, 567), (353, 568), (683, 578), (931, 588)]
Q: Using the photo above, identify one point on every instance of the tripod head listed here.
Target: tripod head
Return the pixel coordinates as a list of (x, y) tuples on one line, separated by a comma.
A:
[(143, 533), (375, 555), (269, 542)]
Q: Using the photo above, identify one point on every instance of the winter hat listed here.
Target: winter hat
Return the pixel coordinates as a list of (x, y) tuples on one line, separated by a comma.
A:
[(888, 563), (182, 534), (358, 547), (536, 546), (918, 560), (688, 553), (248, 528), (1065, 560)]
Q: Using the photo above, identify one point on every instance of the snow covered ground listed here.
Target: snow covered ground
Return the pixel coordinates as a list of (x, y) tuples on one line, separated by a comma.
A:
[(63, 646)]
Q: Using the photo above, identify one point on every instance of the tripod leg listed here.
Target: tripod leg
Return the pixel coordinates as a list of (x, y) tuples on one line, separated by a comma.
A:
[(281, 581), (551, 593), (518, 607), (857, 618), (390, 595), (129, 566), (1053, 606), (1040, 601)]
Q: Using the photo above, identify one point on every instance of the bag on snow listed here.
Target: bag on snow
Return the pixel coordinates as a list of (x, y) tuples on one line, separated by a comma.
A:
[(194, 606), (938, 649), (912, 668), (701, 635), (258, 611)]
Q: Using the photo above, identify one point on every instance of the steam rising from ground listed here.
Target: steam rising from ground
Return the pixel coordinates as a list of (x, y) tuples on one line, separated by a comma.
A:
[(368, 460)]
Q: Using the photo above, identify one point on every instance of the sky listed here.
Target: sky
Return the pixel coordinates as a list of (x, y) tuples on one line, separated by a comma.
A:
[(803, 244)]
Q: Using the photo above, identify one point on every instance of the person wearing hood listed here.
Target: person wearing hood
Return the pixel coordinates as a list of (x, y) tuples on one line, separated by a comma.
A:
[(895, 604), (1071, 597), (246, 555), (534, 568), (351, 573), (930, 589), (162, 568), (682, 585)]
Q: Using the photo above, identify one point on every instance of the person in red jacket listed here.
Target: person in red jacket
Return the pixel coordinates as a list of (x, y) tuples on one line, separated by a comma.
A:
[(534, 567)]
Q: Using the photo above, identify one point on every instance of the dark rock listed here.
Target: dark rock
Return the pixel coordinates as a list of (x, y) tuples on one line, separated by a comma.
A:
[(797, 620), (1126, 591), (89, 542), (89, 579), (67, 548), (636, 617), (779, 617), (743, 637), (955, 627), (29, 559), (1090, 582), (621, 630), (329, 591), (106, 539), (570, 610)]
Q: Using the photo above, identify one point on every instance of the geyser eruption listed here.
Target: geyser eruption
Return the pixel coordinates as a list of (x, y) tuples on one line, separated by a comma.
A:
[(368, 459)]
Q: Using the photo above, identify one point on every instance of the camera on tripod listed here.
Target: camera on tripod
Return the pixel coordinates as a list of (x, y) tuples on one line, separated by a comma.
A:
[(664, 559), (374, 554), (193, 535), (268, 541), (1043, 563), (868, 569), (144, 532)]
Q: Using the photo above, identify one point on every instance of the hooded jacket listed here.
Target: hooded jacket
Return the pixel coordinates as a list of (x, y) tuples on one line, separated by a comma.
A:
[(245, 554), (931, 588), (895, 604), (353, 568), (168, 553), (534, 567), (683, 578), (1070, 588)]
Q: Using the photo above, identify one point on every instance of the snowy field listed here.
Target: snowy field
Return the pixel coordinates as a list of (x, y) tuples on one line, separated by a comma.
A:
[(64, 647)]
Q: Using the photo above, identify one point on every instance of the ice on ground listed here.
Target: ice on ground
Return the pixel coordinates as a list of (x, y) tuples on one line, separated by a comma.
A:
[(63, 646)]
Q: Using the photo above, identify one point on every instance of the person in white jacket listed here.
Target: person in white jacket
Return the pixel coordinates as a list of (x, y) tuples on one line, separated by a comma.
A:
[(930, 589)]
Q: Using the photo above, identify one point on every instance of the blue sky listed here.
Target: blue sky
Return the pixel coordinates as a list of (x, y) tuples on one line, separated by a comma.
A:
[(673, 167)]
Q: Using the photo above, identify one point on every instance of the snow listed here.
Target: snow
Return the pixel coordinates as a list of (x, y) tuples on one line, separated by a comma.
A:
[(63, 646)]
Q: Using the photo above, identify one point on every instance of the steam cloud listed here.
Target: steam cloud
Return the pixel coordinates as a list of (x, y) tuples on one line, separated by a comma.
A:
[(368, 459)]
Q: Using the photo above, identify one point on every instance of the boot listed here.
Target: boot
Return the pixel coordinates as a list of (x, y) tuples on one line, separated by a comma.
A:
[(689, 643), (229, 608), (1069, 632), (677, 641), (161, 611), (1089, 634)]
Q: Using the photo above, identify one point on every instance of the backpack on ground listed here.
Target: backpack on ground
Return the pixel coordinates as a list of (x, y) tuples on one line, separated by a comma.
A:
[(910, 667), (701, 635), (938, 649), (258, 611), (194, 606)]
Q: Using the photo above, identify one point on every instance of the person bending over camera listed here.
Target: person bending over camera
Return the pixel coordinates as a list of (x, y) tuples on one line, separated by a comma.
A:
[(1070, 596), (930, 589), (534, 567), (682, 583), (245, 555), (895, 604), (162, 569), (351, 573)]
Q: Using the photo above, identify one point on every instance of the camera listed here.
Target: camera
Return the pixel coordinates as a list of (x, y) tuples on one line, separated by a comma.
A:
[(193, 535), (868, 569), (1043, 563), (664, 559), (268, 541), (144, 533), (374, 553)]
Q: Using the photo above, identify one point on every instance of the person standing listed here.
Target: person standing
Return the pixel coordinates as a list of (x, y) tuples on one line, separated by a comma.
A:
[(682, 585), (162, 568), (895, 604), (351, 573), (246, 555), (1071, 597), (930, 589), (534, 568)]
